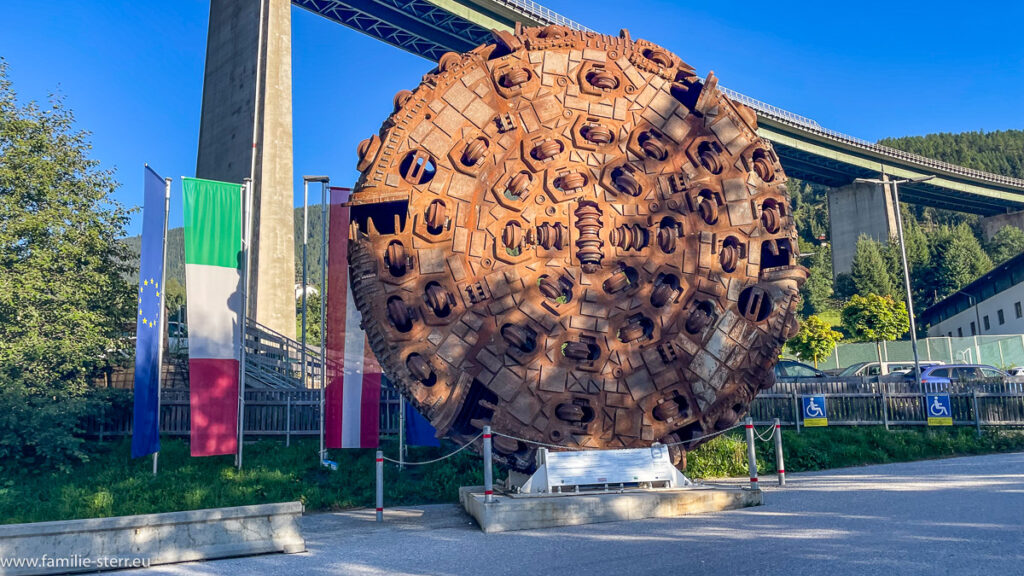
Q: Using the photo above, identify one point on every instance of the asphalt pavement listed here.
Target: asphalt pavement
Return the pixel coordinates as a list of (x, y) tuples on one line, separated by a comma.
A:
[(953, 516)]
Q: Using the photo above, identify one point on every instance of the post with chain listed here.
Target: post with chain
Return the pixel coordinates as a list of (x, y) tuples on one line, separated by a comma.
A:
[(380, 486), (751, 455), (488, 467), (778, 453)]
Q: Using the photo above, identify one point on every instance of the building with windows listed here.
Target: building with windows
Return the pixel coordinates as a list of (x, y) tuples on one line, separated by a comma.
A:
[(992, 304)]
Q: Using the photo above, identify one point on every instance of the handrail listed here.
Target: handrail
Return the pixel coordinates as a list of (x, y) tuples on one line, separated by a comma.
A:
[(782, 116)]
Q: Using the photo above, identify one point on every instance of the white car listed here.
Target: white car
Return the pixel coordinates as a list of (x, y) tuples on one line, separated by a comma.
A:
[(872, 368), (1016, 371)]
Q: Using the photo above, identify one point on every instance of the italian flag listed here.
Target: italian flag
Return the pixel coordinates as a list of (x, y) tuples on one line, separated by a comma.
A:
[(213, 276)]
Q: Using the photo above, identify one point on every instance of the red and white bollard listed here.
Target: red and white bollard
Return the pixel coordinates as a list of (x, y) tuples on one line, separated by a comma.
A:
[(751, 456), (778, 453), (380, 486), (488, 467)]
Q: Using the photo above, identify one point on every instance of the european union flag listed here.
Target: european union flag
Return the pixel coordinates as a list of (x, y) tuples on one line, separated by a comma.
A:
[(148, 326), (418, 431)]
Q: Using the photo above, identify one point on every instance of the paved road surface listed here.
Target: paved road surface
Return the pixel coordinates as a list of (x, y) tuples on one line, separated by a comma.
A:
[(956, 516)]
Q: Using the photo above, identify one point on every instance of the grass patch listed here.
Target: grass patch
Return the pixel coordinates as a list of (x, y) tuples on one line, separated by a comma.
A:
[(112, 484), (832, 316)]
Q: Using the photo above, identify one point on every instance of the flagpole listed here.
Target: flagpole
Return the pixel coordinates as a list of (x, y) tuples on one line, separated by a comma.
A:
[(401, 432), (324, 186), (243, 314), (163, 319), (324, 182), (305, 270)]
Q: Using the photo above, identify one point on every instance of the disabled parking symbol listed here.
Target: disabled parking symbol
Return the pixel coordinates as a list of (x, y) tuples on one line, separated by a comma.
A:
[(939, 410), (815, 411)]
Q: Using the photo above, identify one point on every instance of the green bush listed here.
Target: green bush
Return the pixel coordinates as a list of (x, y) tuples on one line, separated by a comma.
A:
[(721, 457), (64, 298), (40, 432)]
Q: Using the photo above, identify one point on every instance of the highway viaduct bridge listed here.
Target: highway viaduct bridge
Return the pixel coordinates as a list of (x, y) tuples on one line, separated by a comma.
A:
[(246, 128)]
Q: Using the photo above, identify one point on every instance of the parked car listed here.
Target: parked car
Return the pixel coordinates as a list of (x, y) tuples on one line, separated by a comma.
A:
[(883, 368), (790, 370), (1016, 371), (948, 374)]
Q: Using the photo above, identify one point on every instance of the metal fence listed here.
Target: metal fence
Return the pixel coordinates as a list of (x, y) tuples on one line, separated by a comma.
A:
[(1003, 351), (268, 413), (849, 402), (859, 403)]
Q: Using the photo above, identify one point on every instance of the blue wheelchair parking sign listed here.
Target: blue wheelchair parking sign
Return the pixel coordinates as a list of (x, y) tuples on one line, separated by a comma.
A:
[(815, 412), (938, 410)]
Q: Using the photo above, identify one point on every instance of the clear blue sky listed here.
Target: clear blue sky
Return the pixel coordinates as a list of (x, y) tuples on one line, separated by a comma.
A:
[(132, 70)]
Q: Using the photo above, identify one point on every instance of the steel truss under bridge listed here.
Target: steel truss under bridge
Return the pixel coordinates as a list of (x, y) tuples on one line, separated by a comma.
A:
[(429, 28)]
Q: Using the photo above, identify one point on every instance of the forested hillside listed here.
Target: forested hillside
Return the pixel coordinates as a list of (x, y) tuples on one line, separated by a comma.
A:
[(176, 248), (999, 152), (945, 249)]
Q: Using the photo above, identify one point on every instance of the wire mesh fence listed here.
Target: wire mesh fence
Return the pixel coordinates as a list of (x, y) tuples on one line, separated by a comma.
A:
[(1002, 351)]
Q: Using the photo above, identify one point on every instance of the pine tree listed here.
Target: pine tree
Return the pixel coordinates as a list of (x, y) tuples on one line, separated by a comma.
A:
[(870, 271), (818, 288), (959, 262), (1006, 244)]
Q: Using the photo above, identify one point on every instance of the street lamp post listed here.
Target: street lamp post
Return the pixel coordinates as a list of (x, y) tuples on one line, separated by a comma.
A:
[(903, 257), (324, 181)]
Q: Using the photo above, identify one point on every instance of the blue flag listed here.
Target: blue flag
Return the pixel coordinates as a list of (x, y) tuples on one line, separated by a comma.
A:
[(418, 431), (148, 326)]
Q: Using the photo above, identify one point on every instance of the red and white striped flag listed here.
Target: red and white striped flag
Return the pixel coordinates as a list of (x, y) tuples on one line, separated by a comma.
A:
[(352, 410)]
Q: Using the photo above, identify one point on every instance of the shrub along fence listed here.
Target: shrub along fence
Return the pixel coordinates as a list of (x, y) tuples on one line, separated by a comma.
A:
[(287, 413)]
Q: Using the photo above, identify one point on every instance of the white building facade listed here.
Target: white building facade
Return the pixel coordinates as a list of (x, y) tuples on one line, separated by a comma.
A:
[(992, 304)]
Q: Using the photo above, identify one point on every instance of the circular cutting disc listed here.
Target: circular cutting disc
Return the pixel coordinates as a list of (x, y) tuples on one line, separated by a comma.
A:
[(575, 240)]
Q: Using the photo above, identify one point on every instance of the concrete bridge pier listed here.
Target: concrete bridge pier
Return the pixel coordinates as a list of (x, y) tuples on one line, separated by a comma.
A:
[(855, 209), (993, 224), (247, 83)]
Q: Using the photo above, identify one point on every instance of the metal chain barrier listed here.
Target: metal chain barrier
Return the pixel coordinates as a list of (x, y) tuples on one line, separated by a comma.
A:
[(769, 434), (445, 457), (706, 436), (773, 432)]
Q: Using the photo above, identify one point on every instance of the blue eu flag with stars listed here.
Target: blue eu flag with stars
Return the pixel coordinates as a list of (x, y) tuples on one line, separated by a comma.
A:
[(418, 430), (149, 325)]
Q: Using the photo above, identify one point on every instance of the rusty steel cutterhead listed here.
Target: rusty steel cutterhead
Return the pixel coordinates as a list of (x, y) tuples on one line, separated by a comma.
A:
[(574, 239)]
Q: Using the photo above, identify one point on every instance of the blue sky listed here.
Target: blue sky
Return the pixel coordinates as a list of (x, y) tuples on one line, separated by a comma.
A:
[(132, 70)]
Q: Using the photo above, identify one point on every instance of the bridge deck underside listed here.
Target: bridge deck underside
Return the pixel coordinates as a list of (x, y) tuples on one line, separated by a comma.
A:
[(834, 173), (417, 26)]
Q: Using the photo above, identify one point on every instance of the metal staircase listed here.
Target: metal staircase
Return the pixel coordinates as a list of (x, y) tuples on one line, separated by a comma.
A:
[(274, 361)]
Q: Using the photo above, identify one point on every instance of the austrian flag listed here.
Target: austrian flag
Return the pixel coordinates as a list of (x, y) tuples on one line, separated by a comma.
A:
[(352, 409)]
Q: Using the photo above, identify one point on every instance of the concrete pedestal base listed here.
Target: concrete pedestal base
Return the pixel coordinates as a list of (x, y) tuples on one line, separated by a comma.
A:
[(523, 512), (98, 544)]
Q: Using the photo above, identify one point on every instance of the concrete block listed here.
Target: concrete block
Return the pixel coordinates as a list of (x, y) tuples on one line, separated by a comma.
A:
[(524, 512), (81, 545)]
